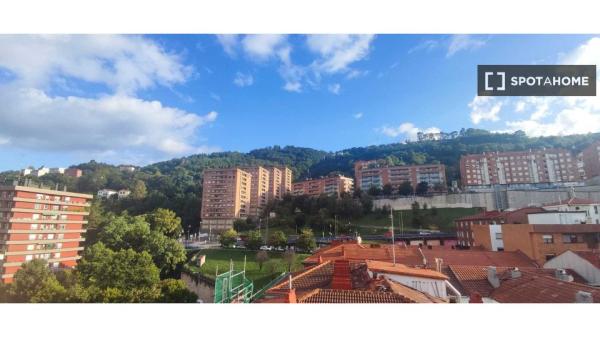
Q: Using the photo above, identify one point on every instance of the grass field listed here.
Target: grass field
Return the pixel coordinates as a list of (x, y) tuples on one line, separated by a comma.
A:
[(271, 269)]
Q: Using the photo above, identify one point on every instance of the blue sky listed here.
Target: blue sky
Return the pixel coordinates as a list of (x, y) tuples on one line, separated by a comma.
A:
[(141, 99)]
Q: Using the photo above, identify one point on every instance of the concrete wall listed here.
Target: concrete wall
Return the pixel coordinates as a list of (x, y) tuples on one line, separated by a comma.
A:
[(203, 288), (492, 200)]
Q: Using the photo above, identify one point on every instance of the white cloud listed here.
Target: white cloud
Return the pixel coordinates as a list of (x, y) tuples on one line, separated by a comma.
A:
[(123, 63), (484, 108), (229, 42), (408, 130), (263, 46), (463, 42), (243, 80), (334, 88), (358, 115), (112, 119), (338, 51), (215, 96), (292, 86), (427, 45), (545, 116)]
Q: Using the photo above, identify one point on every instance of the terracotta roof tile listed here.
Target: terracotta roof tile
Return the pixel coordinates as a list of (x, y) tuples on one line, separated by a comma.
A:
[(400, 269), (477, 258), (351, 296), (531, 288)]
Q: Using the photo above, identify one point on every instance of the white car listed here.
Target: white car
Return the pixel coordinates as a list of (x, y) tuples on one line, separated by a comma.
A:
[(269, 248)]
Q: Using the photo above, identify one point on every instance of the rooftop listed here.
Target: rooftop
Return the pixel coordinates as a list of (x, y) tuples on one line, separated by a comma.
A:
[(343, 281), (532, 288), (591, 257)]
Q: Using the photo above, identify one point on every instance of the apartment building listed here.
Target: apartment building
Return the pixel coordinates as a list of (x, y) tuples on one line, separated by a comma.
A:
[(73, 172), (591, 160), (544, 166), (373, 173), (334, 185), (286, 180), (38, 223), (226, 196), (275, 183), (259, 190), (543, 242)]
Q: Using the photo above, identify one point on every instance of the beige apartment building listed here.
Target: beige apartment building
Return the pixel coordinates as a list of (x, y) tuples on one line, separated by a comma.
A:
[(259, 191), (226, 196), (333, 185), (238, 193)]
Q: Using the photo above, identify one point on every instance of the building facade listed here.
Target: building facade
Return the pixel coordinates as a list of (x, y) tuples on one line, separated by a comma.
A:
[(334, 185), (543, 242), (226, 195), (286, 180), (275, 183), (544, 166), (40, 223), (373, 173), (259, 191), (591, 160)]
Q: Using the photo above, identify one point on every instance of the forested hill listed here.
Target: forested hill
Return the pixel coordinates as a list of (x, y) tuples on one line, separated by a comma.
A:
[(306, 162), (176, 183)]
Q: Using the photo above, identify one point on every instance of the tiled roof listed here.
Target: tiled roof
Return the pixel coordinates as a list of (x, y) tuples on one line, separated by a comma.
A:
[(591, 257), (485, 215), (574, 201), (531, 288), (477, 258), (473, 279), (351, 296), (400, 269), (360, 252), (344, 281)]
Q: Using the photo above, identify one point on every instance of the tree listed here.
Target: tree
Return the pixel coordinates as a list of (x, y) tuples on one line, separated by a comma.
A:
[(374, 191), (387, 189), (306, 241), (422, 188), (35, 283), (166, 222), (118, 276), (278, 239), (175, 291), (261, 258), (254, 240), (405, 188), (138, 191), (228, 238), (289, 257)]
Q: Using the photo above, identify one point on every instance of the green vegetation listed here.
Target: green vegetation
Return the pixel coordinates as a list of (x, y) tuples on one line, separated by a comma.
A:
[(271, 268), (126, 260)]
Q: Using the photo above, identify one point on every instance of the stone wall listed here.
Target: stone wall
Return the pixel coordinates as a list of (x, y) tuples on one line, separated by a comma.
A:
[(201, 286)]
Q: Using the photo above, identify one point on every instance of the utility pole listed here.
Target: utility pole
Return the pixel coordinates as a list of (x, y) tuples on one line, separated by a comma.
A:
[(401, 224), (393, 244)]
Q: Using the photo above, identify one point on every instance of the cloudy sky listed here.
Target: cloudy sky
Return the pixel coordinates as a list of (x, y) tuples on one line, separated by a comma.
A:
[(141, 99)]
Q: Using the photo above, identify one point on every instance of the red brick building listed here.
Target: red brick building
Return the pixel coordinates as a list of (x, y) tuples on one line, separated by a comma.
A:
[(374, 173), (40, 223), (520, 167), (465, 225)]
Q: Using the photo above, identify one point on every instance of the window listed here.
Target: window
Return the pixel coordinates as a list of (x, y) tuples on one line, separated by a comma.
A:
[(548, 239), (569, 238), (498, 236), (550, 256), (596, 209)]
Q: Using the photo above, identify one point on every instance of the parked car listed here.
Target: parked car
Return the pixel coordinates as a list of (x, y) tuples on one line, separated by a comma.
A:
[(269, 248)]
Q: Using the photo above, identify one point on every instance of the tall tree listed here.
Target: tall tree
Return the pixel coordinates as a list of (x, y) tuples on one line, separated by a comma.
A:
[(254, 240), (35, 283), (166, 222), (278, 239), (405, 188), (228, 238), (306, 241), (139, 191)]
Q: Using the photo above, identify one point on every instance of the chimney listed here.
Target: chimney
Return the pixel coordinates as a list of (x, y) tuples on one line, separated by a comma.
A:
[(341, 275), (583, 297), (320, 259), (493, 277), (562, 275), (515, 273), (438, 264), (475, 298), (358, 240)]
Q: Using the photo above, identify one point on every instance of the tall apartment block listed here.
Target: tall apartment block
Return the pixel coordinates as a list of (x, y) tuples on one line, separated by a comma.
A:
[(40, 223), (591, 160), (333, 185), (238, 193), (225, 197), (286, 180), (259, 190), (545, 166), (373, 173)]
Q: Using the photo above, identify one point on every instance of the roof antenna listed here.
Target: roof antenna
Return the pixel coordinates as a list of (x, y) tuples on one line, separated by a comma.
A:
[(393, 244), (290, 281)]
